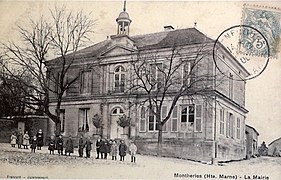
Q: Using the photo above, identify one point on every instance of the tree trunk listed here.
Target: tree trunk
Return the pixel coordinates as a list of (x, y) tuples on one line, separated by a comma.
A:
[(160, 139), (58, 122)]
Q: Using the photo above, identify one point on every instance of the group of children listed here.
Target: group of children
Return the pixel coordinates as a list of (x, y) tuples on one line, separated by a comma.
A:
[(25, 141), (103, 146)]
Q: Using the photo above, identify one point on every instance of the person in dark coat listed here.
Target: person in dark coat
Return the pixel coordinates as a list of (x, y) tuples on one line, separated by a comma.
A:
[(20, 139), (98, 143), (102, 148), (81, 146), (60, 145), (69, 146), (122, 150), (88, 146), (106, 148), (40, 137), (33, 144), (52, 145)]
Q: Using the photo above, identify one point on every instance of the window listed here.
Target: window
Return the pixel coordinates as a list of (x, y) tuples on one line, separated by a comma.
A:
[(221, 121), (231, 86), (238, 131), (164, 115), (83, 119), (191, 118), (86, 82), (119, 79), (156, 75), (231, 125), (62, 119), (152, 123), (186, 67), (142, 120), (174, 125)]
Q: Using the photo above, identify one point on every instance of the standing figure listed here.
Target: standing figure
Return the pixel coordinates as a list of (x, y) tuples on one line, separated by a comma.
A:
[(25, 142), (106, 148), (69, 146), (81, 146), (102, 148), (122, 150), (13, 140), (33, 144), (52, 145), (133, 150), (98, 143), (40, 139), (60, 145), (88, 146), (114, 150), (20, 139)]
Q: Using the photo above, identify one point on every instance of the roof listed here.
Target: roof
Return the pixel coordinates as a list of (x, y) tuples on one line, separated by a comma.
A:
[(252, 129), (275, 141), (157, 40)]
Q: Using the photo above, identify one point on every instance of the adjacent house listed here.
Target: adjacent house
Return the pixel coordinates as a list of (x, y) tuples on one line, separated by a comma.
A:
[(203, 126), (274, 148), (251, 141)]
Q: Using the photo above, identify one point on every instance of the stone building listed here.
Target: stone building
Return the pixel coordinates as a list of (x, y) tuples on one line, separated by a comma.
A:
[(251, 141), (274, 148), (200, 128)]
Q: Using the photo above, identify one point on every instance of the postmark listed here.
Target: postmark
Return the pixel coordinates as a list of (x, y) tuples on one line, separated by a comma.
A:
[(227, 52), (267, 21)]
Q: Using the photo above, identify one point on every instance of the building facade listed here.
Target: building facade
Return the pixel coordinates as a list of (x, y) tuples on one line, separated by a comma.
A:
[(251, 141), (202, 126)]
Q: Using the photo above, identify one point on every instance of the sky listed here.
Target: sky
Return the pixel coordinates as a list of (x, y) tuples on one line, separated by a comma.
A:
[(263, 94)]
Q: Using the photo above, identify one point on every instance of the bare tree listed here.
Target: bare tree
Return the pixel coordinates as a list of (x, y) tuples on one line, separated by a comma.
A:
[(169, 75), (60, 35)]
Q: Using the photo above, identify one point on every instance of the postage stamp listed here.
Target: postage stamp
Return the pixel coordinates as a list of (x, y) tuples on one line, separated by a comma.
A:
[(267, 21)]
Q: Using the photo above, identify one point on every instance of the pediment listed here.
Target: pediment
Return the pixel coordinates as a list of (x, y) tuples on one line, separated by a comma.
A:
[(117, 50)]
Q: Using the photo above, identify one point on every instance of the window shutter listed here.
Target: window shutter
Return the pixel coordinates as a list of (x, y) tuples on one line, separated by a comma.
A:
[(198, 121)]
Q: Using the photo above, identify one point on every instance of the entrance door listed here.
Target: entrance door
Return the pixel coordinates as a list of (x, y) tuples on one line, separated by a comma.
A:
[(115, 130)]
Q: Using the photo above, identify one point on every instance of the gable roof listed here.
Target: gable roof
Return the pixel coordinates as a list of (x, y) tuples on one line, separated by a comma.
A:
[(252, 129), (157, 40), (278, 139)]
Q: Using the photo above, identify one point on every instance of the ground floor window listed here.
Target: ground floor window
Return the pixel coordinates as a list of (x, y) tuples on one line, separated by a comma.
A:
[(174, 122), (191, 118), (83, 123), (221, 121), (164, 114), (142, 120), (152, 122), (238, 131)]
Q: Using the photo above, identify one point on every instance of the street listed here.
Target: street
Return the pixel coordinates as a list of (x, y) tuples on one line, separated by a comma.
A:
[(21, 163)]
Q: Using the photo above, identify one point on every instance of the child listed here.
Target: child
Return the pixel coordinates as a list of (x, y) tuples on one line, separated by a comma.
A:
[(60, 145), (33, 144), (69, 146), (52, 145), (81, 146), (40, 138), (114, 150), (13, 140), (25, 142), (122, 150), (88, 146), (133, 149)]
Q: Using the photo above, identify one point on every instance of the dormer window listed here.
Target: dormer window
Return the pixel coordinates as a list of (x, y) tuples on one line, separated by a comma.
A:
[(119, 79)]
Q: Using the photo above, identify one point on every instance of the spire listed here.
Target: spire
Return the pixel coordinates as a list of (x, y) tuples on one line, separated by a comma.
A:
[(124, 8)]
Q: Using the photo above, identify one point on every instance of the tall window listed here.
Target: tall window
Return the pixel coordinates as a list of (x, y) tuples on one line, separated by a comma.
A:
[(238, 130), (186, 67), (156, 75), (221, 121), (190, 119), (231, 86), (164, 113), (119, 79), (231, 125), (142, 120), (62, 119), (84, 119), (152, 123), (174, 123), (86, 82)]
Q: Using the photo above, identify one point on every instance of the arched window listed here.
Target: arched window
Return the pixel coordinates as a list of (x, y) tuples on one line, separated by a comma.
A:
[(117, 111), (119, 79)]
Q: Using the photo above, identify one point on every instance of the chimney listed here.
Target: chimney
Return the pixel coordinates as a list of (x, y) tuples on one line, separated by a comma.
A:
[(168, 28)]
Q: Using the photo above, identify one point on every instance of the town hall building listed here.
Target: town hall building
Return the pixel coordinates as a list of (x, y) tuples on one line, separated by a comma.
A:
[(202, 127)]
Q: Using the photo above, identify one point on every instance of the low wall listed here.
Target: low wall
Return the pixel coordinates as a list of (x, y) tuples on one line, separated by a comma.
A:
[(196, 150)]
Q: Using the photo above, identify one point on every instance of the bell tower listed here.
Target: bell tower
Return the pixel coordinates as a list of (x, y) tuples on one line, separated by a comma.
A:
[(123, 22)]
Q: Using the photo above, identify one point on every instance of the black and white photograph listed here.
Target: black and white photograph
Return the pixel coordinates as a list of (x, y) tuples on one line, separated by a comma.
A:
[(130, 89)]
